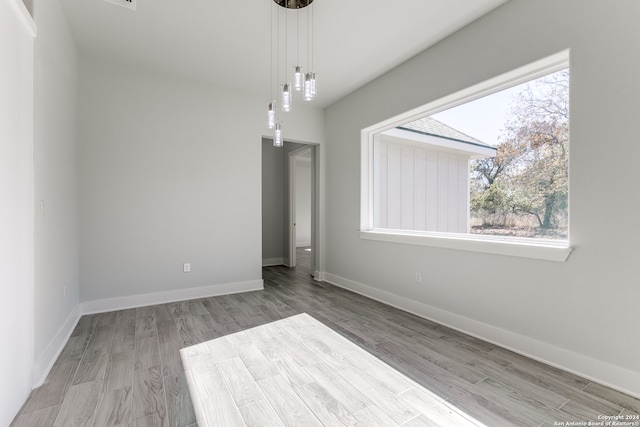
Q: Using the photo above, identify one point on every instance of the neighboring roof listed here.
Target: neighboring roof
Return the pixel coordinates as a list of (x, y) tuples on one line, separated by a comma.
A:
[(431, 126)]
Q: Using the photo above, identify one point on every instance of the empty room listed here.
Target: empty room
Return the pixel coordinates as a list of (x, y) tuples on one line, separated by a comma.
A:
[(313, 212)]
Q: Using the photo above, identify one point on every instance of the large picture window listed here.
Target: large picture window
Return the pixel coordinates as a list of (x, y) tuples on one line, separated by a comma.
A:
[(492, 166)]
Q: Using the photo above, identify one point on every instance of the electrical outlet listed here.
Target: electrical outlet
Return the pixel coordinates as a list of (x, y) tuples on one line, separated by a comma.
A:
[(186, 267), (418, 277)]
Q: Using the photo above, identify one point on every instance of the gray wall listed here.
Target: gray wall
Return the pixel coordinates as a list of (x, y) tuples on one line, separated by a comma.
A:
[(582, 314), (170, 173), (55, 180), (45, 173), (16, 209), (273, 203)]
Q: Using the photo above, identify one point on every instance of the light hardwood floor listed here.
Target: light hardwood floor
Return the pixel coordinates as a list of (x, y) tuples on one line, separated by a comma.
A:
[(124, 368), (297, 371)]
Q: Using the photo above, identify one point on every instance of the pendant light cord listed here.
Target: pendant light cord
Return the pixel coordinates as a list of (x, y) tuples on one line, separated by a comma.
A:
[(311, 7), (271, 54), (286, 39), (278, 65), (309, 39)]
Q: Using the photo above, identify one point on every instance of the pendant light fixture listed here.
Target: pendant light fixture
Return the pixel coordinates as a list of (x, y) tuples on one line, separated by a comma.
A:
[(271, 116), (297, 78), (307, 88), (302, 82), (286, 97), (277, 136)]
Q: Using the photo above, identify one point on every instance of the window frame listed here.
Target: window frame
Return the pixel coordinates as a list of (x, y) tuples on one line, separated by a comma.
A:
[(542, 249)]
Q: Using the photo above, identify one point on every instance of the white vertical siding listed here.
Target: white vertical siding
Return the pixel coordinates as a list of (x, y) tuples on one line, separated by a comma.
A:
[(420, 195), (380, 187), (408, 188), (420, 188), (463, 195), (432, 191), (394, 187)]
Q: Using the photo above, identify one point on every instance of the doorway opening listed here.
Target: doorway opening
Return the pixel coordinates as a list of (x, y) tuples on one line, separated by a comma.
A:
[(300, 202), (289, 205)]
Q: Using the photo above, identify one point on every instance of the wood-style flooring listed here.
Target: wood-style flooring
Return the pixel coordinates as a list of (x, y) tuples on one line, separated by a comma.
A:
[(297, 371), (124, 369)]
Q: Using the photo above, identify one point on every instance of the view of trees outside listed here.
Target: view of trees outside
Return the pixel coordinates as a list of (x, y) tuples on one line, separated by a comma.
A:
[(523, 190)]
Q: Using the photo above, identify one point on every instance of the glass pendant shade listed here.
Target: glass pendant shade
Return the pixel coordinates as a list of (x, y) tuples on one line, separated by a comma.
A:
[(313, 85), (297, 81), (307, 96), (286, 98), (277, 136), (271, 115)]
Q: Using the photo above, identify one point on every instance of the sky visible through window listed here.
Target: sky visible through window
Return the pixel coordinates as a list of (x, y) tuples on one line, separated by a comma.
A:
[(483, 118)]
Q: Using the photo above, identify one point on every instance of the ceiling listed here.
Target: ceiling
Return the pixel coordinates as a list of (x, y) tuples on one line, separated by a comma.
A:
[(228, 43)]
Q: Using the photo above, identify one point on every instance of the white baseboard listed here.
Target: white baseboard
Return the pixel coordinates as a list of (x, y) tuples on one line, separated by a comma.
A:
[(604, 373), (133, 301), (45, 362), (270, 262)]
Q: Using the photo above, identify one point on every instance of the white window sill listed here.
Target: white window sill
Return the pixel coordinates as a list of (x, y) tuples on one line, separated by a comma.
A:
[(548, 250)]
